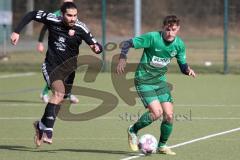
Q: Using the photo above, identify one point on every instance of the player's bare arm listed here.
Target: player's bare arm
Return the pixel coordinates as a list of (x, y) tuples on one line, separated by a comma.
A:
[(123, 56), (121, 65)]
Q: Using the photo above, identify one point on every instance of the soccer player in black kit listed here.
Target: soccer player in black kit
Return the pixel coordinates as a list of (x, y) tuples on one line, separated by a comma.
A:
[(65, 36)]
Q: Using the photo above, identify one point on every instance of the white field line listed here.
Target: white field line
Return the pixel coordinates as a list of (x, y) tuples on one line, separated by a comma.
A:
[(134, 157), (34, 118), (94, 138), (124, 105), (189, 142), (120, 118), (19, 118), (205, 137), (207, 105), (17, 75), (215, 118), (10, 104), (67, 139)]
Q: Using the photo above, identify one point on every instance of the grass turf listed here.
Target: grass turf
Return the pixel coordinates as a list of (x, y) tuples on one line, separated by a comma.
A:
[(203, 106)]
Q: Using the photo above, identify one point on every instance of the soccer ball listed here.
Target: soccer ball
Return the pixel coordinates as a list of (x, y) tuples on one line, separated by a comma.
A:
[(147, 144)]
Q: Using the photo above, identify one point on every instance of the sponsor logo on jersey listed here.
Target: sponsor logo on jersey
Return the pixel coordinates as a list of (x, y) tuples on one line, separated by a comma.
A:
[(61, 44), (61, 39), (159, 62)]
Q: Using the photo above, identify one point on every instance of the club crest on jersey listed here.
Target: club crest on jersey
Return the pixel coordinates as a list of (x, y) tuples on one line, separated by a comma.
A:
[(61, 39), (173, 53), (71, 32)]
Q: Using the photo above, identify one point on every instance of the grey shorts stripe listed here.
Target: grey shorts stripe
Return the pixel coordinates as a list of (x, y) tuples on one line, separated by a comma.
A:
[(45, 74), (141, 97)]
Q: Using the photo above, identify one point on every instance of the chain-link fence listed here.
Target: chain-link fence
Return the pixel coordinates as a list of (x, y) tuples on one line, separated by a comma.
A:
[(201, 26)]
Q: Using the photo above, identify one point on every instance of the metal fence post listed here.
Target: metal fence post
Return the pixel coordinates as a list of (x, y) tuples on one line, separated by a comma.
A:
[(226, 69)]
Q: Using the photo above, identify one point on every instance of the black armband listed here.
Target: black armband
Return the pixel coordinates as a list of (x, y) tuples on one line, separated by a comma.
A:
[(125, 48), (184, 68)]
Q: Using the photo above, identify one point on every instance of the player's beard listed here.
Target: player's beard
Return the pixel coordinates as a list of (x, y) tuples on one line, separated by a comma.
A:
[(71, 23)]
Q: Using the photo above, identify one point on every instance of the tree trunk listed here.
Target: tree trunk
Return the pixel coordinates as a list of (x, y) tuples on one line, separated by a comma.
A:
[(30, 7)]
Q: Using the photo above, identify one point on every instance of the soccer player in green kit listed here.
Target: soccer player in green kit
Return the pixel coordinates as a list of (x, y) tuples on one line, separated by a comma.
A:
[(40, 47), (150, 80)]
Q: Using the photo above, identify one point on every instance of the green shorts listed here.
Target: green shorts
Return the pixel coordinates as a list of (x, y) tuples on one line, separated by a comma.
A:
[(149, 93)]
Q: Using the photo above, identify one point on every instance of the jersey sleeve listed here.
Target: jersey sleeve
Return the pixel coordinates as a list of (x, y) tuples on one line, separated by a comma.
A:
[(57, 13), (143, 41), (44, 28), (181, 55), (42, 33), (89, 38), (39, 16), (46, 17), (86, 35)]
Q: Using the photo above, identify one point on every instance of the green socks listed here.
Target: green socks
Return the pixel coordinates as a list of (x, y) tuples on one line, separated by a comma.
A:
[(45, 90), (143, 121), (166, 130)]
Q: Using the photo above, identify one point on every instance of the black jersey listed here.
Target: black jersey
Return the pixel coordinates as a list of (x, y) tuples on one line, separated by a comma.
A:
[(63, 41)]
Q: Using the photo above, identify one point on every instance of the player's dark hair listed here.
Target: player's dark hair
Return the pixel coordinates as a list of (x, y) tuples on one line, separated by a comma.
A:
[(171, 20), (67, 5)]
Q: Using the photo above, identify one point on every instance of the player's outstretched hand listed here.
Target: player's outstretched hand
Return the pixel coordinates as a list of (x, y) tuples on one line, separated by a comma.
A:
[(97, 48), (14, 38), (121, 65), (191, 73), (40, 47)]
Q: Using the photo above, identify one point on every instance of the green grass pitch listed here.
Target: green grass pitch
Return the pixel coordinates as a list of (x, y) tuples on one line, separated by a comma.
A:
[(205, 105)]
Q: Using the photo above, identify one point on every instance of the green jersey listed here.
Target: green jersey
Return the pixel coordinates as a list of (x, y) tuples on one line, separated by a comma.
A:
[(157, 54), (57, 13)]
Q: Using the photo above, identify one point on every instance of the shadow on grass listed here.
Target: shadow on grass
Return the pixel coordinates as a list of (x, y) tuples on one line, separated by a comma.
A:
[(41, 150), (16, 148)]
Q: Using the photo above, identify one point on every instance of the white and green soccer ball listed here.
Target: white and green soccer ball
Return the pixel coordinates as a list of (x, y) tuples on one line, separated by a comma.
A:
[(148, 144)]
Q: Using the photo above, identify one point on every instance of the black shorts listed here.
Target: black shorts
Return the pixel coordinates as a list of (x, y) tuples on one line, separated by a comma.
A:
[(63, 73)]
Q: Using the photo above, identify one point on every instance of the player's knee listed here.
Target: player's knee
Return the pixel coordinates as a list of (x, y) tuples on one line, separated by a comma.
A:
[(169, 117), (58, 97), (156, 114)]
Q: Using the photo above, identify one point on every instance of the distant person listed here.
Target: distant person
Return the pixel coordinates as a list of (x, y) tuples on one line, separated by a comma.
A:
[(65, 36), (40, 47), (150, 80)]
